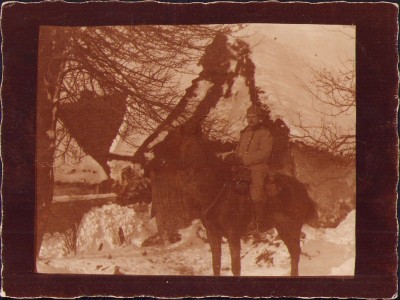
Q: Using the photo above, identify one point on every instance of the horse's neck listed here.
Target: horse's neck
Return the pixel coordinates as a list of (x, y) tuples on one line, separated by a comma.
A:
[(211, 173), (213, 182)]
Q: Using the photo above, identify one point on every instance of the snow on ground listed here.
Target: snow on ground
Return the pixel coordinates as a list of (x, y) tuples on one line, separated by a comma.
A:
[(101, 227), (325, 252), (69, 198)]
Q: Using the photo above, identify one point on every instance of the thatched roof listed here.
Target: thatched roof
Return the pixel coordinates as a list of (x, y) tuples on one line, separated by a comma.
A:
[(223, 62), (93, 122)]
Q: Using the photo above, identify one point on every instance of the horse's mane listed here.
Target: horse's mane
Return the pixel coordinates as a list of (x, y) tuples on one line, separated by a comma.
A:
[(211, 171)]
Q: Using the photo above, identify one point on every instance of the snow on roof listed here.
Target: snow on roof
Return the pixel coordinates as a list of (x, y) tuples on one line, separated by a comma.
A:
[(86, 170), (161, 136), (282, 54), (228, 117), (199, 93), (220, 106)]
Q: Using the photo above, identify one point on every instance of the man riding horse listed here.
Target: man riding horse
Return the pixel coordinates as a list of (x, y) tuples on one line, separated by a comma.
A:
[(253, 152)]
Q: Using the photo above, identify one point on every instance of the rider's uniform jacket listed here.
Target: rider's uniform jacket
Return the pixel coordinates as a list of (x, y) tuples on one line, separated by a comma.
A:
[(255, 146)]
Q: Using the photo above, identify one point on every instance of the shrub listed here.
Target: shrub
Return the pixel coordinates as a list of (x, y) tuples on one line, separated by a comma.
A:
[(134, 187)]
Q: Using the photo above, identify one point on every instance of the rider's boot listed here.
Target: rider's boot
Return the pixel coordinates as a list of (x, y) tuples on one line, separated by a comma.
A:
[(260, 214), (252, 228), (258, 218), (263, 232)]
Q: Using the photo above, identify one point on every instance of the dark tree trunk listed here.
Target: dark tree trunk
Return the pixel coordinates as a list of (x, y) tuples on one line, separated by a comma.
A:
[(170, 207), (49, 68)]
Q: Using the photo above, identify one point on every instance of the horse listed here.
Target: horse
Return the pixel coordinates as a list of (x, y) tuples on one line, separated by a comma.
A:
[(223, 201), (288, 208)]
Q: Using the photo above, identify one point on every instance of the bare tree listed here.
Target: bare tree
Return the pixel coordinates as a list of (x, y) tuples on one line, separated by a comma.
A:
[(333, 93), (143, 63), (333, 88), (326, 136)]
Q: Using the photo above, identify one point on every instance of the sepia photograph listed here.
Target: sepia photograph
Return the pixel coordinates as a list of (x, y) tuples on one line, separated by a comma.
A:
[(170, 150), (197, 150)]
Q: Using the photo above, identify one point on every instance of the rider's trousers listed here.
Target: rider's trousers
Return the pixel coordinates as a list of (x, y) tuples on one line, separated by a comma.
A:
[(257, 184)]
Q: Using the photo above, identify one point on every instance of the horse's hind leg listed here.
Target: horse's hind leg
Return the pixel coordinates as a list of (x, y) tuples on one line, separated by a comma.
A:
[(234, 247), (215, 240), (290, 235), (294, 250)]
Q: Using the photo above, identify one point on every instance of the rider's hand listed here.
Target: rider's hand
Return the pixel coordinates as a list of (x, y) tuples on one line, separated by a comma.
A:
[(239, 160), (233, 159)]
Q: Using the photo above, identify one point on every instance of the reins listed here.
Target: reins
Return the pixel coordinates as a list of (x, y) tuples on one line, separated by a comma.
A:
[(250, 140), (205, 212), (216, 199)]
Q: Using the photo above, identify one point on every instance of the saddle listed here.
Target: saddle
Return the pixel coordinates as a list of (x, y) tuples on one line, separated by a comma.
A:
[(271, 187), (241, 180)]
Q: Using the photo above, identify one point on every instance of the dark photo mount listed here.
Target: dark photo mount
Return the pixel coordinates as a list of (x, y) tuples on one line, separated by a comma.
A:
[(376, 160)]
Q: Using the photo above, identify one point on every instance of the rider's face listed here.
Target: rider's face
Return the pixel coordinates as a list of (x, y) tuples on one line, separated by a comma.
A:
[(253, 120)]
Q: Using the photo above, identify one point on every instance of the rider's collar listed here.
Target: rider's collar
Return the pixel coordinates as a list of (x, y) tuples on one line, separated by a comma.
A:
[(255, 127)]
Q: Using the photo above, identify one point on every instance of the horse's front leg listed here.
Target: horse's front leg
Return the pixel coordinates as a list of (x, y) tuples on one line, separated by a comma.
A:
[(295, 251), (215, 240), (234, 247)]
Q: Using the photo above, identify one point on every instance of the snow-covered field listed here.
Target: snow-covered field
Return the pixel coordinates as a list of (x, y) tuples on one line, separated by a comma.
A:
[(325, 252)]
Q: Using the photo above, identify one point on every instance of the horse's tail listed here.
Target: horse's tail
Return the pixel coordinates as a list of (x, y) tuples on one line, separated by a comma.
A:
[(312, 212), (302, 201)]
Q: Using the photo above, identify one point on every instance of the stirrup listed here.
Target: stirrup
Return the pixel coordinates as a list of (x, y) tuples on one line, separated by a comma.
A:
[(252, 228), (264, 236)]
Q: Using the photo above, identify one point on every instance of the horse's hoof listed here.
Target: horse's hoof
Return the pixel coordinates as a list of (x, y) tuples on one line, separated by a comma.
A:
[(154, 240), (174, 238)]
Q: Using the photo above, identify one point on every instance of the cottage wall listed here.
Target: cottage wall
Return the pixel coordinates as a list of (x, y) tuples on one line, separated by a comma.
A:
[(331, 182)]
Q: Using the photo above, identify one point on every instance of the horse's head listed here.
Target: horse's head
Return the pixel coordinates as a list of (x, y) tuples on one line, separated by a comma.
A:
[(202, 172)]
